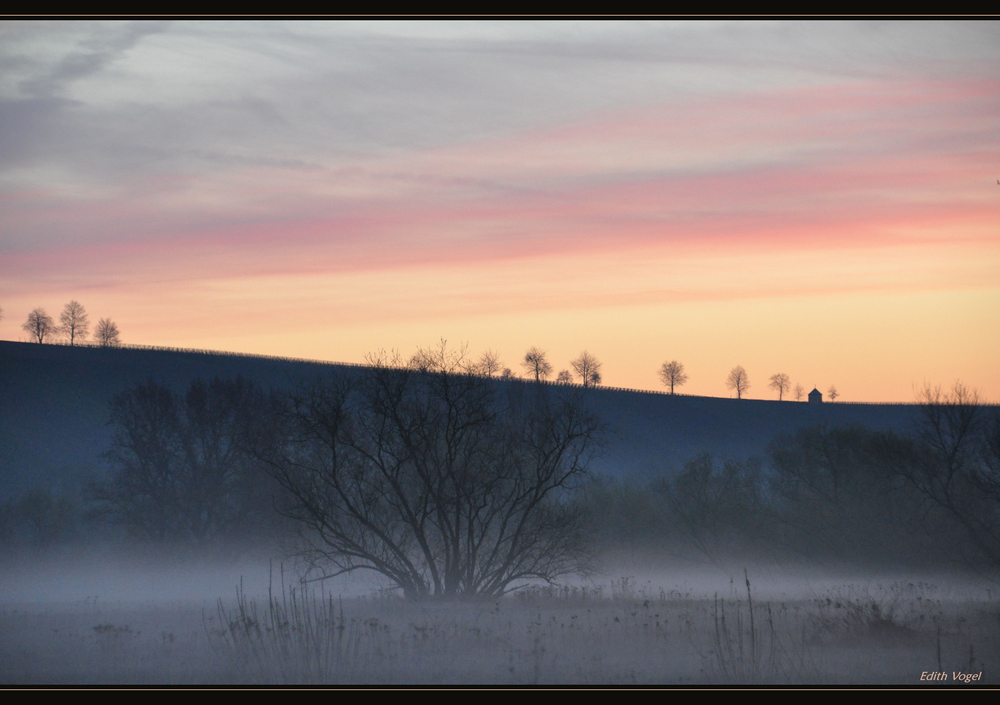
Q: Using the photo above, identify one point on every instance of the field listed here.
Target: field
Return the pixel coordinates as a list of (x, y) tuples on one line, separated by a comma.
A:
[(784, 544), (617, 632)]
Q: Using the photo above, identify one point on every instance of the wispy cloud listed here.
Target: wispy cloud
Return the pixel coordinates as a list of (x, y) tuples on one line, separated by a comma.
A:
[(528, 166)]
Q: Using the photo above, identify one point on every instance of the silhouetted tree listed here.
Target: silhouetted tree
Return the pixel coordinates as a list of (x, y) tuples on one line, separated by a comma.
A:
[(180, 468), (718, 510), (38, 520), (958, 467), (588, 369), (489, 364), (564, 377), (988, 478), (837, 492), (832, 393), (672, 375), (107, 333), (738, 381), (625, 516), (74, 322), (39, 325), (800, 391), (442, 483), (536, 364), (440, 357), (780, 383)]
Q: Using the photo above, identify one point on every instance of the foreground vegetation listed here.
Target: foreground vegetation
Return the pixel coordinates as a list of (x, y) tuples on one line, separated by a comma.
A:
[(616, 634), (438, 481)]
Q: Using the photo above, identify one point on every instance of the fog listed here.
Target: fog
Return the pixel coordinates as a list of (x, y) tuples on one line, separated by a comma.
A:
[(139, 577), (121, 616)]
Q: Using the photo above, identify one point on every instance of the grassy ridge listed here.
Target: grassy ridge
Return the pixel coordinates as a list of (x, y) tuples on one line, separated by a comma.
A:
[(54, 408)]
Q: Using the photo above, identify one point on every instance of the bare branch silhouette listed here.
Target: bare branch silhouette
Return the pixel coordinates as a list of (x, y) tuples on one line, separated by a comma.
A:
[(74, 322), (672, 375), (444, 484), (39, 325), (588, 369), (780, 383), (738, 381), (536, 364)]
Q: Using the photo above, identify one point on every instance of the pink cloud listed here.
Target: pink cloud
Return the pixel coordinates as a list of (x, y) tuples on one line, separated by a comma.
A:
[(832, 167)]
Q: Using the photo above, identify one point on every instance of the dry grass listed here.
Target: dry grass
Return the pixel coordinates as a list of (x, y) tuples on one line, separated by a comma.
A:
[(746, 648), (618, 633)]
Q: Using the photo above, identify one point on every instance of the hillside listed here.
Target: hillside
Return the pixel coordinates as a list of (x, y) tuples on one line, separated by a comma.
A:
[(54, 407)]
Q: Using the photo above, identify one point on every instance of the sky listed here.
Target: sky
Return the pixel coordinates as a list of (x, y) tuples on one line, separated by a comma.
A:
[(816, 199)]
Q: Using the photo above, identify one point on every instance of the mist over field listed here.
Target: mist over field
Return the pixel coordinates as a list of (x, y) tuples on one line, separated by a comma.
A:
[(803, 558), (105, 619)]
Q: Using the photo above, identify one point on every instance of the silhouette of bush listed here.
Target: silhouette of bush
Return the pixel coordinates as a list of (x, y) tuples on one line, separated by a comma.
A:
[(180, 466)]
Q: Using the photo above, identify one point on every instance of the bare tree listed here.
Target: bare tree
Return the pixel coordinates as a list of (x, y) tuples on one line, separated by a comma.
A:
[(588, 369), (489, 364), (958, 467), (835, 491), (536, 364), (74, 322), (564, 377), (800, 391), (444, 484), (39, 325), (180, 468), (716, 509), (832, 393), (988, 477), (780, 383), (438, 359), (672, 375), (107, 333), (738, 381)]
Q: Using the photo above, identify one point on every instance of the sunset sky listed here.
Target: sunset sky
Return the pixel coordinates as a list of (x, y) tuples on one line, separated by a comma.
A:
[(818, 199)]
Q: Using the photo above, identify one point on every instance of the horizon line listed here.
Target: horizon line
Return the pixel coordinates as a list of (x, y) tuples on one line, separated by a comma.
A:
[(311, 361)]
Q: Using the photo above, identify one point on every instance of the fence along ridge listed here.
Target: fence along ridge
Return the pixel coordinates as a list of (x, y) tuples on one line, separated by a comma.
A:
[(203, 351), (328, 363)]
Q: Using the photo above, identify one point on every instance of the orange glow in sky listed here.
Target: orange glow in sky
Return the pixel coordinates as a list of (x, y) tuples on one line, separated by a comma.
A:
[(834, 218)]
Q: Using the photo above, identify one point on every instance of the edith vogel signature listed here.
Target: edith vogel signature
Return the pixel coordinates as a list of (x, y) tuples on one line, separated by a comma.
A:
[(955, 676)]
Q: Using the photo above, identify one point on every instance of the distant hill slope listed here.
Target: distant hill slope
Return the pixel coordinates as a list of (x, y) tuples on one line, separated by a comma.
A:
[(54, 408)]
